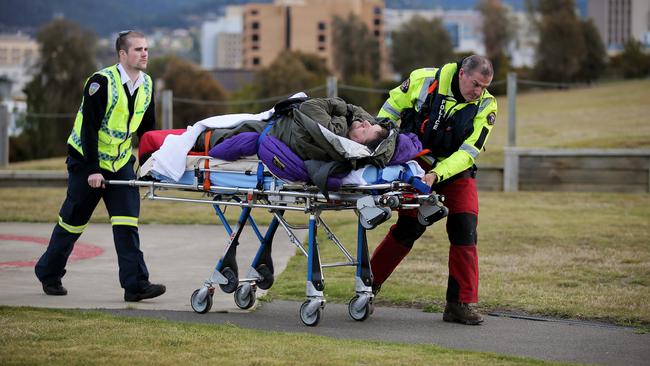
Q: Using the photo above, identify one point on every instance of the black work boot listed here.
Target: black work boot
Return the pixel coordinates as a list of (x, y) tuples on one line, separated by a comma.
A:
[(54, 289), (463, 313), (149, 292)]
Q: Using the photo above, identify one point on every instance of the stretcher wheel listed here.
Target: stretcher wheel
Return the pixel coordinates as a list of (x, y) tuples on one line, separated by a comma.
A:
[(358, 310), (231, 276), (245, 296), (201, 307), (267, 279), (312, 319)]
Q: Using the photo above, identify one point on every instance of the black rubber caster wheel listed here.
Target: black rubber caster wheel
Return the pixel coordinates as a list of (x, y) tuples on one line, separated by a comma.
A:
[(233, 281), (245, 297), (312, 319), (358, 311), (267, 279)]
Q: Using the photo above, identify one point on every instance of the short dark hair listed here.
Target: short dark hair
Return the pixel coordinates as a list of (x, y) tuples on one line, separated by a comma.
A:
[(374, 143), (123, 37), (477, 63)]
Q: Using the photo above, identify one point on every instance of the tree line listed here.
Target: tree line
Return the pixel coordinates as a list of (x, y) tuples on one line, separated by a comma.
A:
[(569, 50)]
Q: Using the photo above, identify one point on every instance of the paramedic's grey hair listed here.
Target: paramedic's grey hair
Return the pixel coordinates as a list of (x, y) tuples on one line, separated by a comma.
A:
[(123, 40), (476, 63)]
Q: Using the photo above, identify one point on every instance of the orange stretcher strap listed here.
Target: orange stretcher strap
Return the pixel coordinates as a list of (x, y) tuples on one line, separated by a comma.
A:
[(206, 174)]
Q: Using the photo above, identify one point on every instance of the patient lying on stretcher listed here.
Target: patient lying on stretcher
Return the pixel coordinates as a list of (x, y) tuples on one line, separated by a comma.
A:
[(302, 125), (308, 140)]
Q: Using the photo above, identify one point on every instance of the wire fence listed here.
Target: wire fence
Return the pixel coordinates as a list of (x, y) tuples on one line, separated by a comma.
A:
[(244, 102), (355, 88)]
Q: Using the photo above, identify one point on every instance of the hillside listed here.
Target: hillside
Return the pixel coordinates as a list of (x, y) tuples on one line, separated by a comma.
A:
[(607, 115)]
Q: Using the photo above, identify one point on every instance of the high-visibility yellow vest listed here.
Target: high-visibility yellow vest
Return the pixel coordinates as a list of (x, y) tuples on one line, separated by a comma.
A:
[(413, 94), (114, 140)]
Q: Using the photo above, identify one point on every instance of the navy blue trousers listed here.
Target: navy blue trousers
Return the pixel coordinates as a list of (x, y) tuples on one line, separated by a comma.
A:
[(123, 206)]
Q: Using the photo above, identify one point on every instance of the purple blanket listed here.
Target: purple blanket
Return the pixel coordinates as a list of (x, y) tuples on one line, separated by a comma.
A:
[(285, 164)]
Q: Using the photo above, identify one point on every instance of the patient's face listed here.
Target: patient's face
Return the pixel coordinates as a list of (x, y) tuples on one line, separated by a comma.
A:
[(364, 132)]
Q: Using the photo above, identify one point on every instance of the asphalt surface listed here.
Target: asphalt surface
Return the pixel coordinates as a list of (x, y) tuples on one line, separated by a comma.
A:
[(182, 257)]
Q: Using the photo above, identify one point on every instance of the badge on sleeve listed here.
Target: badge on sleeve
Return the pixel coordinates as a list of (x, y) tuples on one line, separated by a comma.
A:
[(93, 88), (405, 85), (491, 118)]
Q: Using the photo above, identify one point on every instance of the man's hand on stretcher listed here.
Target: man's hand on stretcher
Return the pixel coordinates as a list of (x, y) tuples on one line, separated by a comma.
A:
[(96, 180), (430, 178)]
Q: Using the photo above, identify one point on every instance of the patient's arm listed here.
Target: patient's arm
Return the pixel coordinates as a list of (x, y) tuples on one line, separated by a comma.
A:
[(328, 112)]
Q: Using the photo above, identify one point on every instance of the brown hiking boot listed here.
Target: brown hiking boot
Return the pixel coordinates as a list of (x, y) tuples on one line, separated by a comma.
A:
[(461, 313)]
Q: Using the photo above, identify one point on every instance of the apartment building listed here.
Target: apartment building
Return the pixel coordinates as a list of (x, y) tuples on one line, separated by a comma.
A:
[(463, 26), (18, 55), (221, 45), (304, 25), (619, 21)]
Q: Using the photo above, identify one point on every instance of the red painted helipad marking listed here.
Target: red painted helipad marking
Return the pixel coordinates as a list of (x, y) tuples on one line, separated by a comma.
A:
[(81, 250)]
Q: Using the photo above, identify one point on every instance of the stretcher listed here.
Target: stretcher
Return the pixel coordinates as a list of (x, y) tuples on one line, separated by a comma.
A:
[(247, 184)]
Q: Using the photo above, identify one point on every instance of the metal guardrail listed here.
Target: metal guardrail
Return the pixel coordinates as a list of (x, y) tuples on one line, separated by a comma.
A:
[(33, 178)]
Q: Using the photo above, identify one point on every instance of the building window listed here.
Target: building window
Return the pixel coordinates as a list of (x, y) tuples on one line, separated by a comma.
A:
[(256, 61), (377, 21), (377, 33), (255, 37), (255, 25), (377, 10), (253, 11), (255, 47), (454, 33), (321, 48), (321, 26), (321, 38)]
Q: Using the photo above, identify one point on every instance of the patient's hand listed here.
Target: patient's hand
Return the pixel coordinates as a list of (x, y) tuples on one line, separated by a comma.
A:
[(96, 180)]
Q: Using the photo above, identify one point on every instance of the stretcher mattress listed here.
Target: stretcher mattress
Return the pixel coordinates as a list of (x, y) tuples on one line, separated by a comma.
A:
[(243, 173)]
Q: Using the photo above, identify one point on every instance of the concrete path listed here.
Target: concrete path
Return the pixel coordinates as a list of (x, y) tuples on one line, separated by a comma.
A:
[(182, 257)]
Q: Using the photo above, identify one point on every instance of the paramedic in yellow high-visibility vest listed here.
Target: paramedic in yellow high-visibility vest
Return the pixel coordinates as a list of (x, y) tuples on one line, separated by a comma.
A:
[(117, 103), (452, 113)]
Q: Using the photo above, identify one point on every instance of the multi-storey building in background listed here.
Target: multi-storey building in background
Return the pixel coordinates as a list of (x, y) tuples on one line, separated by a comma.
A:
[(464, 29), (463, 26), (18, 55), (619, 21), (303, 25), (221, 45)]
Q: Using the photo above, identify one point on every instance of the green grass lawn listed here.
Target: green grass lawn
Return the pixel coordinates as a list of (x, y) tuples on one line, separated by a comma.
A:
[(66, 337), (569, 255)]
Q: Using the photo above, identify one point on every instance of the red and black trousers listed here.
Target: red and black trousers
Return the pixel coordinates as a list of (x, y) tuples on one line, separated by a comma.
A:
[(461, 198)]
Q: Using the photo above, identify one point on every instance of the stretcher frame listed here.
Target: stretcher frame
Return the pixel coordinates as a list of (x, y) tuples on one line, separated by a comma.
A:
[(372, 203)]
